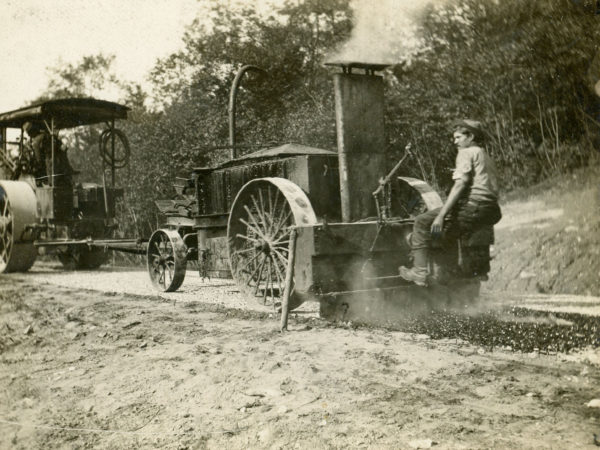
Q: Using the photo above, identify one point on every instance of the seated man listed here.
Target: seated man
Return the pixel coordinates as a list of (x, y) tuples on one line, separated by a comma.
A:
[(471, 204), (41, 142)]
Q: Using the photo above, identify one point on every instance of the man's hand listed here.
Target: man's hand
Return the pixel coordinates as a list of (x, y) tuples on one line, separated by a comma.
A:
[(437, 227)]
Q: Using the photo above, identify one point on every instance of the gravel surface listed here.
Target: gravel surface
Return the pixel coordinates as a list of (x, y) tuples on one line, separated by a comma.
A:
[(216, 291), (224, 292), (523, 322)]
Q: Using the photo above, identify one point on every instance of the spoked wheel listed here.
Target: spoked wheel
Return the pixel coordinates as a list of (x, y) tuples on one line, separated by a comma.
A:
[(83, 258), (17, 210), (258, 235), (166, 260)]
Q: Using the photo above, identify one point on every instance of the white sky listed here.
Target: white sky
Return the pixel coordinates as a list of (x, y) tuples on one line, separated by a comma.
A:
[(37, 34), (34, 34)]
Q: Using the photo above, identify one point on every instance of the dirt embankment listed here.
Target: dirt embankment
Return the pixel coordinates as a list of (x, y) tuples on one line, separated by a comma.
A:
[(548, 240)]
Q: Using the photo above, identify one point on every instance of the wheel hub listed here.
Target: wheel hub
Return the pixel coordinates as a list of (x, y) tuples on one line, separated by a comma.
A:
[(264, 246)]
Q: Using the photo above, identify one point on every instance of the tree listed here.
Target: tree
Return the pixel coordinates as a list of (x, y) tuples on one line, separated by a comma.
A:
[(91, 76), (521, 67), (293, 102), (289, 45)]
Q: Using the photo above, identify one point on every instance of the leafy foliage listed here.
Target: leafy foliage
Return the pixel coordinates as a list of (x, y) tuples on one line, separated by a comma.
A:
[(521, 67), (291, 101)]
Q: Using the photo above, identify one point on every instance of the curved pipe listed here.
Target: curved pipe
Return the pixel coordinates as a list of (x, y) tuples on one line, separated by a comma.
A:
[(232, 102)]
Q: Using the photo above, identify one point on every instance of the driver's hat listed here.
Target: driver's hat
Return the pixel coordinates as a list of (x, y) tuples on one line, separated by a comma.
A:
[(32, 128), (473, 126)]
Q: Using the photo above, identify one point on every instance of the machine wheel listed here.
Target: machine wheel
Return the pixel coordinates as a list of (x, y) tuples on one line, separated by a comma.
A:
[(167, 260), (83, 258), (412, 197), (258, 234), (17, 211)]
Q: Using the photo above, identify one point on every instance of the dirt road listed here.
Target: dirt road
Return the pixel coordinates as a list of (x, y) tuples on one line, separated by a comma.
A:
[(97, 366)]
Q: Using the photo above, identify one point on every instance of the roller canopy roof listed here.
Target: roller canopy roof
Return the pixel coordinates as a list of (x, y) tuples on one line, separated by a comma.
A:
[(67, 113)]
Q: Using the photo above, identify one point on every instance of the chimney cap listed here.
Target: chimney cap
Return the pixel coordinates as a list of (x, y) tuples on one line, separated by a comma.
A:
[(347, 66)]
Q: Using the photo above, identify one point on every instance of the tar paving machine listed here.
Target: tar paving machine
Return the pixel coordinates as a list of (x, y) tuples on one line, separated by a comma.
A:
[(41, 206), (343, 224)]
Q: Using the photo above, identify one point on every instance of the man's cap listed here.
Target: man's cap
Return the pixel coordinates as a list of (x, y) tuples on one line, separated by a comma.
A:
[(27, 126), (474, 126)]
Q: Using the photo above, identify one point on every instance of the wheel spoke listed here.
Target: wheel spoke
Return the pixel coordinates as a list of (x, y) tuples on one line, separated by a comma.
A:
[(276, 211), (279, 214), (270, 199), (281, 248), (281, 223), (251, 277), (251, 227), (280, 277), (282, 259), (259, 278), (261, 211), (250, 261), (253, 220), (170, 273), (273, 280), (243, 250), (248, 238), (271, 210), (266, 213), (4, 254), (262, 266), (267, 280), (280, 240)]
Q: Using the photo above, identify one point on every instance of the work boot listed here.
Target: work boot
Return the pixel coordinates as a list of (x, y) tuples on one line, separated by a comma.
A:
[(418, 273)]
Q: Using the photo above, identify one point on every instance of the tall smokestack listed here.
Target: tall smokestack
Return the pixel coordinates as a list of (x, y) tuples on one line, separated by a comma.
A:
[(360, 137)]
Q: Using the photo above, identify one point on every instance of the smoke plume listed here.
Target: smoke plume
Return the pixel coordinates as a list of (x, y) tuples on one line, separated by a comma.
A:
[(385, 31)]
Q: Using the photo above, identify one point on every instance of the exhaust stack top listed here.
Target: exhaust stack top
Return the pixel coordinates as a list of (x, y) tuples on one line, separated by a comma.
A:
[(360, 136)]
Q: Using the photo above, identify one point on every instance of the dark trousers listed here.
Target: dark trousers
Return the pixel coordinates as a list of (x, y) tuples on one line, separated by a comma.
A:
[(466, 218)]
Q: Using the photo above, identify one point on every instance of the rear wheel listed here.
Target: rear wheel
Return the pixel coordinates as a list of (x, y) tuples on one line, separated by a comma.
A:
[(17, 211), (258, 235)]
